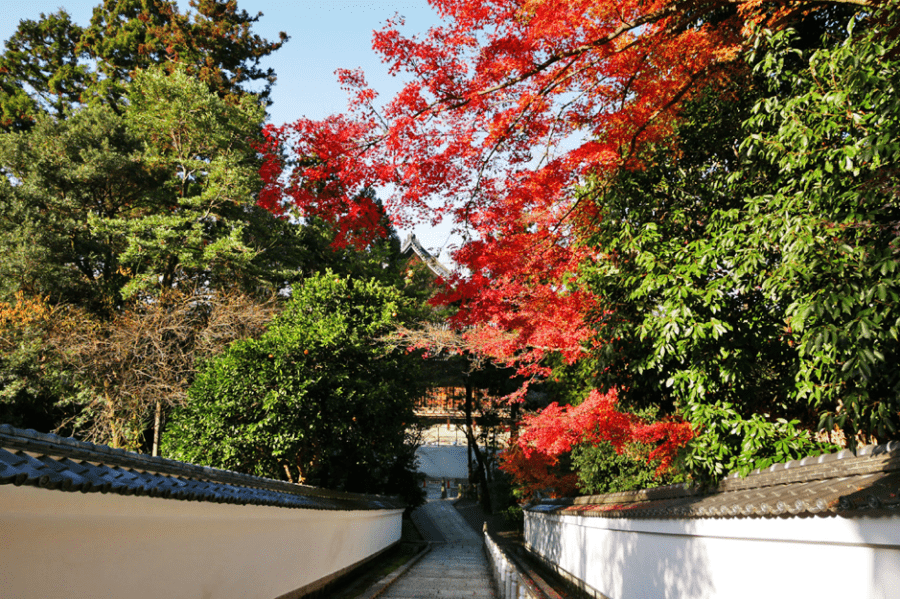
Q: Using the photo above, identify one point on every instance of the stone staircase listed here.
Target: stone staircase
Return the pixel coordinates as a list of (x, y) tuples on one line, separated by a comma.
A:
[(456, 566)]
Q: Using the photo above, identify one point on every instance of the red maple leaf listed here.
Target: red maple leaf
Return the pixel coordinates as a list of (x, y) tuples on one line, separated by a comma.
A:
[(546, 437), (510, 105)]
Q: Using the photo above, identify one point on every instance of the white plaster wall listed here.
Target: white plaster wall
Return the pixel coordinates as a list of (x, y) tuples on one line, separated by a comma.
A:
[(70, 545), (824, 558)]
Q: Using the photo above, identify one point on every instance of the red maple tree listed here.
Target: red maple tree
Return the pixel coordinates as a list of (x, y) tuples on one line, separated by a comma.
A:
[(534, 458), (510, 105)]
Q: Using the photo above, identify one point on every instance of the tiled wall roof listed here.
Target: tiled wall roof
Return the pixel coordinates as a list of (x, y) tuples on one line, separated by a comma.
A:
[(863, 484), (64, 464)]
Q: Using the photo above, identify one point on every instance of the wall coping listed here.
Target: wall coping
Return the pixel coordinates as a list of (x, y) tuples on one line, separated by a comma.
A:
[(59, 463), (865, 483)]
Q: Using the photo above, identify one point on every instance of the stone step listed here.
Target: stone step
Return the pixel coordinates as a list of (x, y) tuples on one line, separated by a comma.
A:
[(454, 569)]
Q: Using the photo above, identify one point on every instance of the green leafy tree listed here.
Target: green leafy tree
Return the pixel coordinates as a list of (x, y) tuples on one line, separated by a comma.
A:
[(680, 333), (109, 214), (213, 43), (98, 207), (601, 469), (52, 64), (32, 378), (822, 243), (40, 71), (749, 281), (59, 177), (112, 216), (317, 398), (202, 226)]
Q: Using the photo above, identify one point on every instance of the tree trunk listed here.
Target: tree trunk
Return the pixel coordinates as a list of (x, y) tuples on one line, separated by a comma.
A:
[(473, 445), (469, 455), (157, 422), (468, 410), (287, 471)]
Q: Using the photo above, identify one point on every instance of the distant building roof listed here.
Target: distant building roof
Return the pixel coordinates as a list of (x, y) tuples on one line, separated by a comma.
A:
[(865, 484), (64, 464), (412, 246)]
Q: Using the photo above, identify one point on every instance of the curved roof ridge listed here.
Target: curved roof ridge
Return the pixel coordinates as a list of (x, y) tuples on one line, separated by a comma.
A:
[(412, 244)]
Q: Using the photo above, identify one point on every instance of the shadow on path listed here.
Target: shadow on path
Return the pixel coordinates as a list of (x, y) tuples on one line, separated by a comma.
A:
[(456, 565)]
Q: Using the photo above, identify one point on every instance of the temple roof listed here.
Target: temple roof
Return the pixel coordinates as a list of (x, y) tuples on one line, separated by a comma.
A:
[(413, 246)]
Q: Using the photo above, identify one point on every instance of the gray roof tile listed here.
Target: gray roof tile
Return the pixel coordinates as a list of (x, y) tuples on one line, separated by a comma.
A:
[(52, 462), (863, 484), (412, 245)]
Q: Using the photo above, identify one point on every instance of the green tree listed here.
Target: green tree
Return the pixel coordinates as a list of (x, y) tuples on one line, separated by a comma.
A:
[(317, 398), (213, 44), (40, 71), (52, 64), (112, 216), (32, 378), (58, 176), (750, 278), (98, 207), (107, 213), (822, 243), (680, 334), (206, 222)]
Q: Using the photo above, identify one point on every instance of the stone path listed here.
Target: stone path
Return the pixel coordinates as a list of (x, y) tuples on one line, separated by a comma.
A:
[(454, 568)]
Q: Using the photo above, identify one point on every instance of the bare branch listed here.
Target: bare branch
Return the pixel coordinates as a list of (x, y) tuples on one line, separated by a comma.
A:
[(148, 355)]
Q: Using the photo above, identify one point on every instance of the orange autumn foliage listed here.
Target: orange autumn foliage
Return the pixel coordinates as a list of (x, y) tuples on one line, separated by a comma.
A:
[(509, 105), (534, 459), (25, 311)]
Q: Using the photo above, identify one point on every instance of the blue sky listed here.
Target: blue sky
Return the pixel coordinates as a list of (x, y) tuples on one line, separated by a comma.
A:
[(325, 35)]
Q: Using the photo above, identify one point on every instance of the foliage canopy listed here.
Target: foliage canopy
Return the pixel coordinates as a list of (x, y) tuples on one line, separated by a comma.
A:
[(317, 398), (682, 202), (53, 65)]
